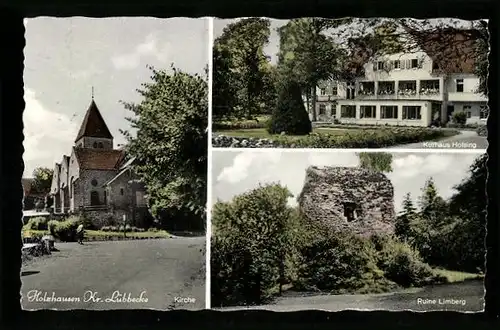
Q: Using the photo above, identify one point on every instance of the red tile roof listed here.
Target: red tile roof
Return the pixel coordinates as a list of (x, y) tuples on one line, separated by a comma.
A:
[(98, 159), (93, 124), (27, 184)]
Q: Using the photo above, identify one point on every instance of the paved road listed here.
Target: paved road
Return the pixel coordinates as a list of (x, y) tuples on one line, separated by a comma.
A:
[(467, 296), (163, 269), (464, 140)]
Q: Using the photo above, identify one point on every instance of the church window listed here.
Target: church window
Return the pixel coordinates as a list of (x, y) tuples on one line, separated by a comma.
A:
[(93, 182), (95, 145), (101, 145), (121, 191)]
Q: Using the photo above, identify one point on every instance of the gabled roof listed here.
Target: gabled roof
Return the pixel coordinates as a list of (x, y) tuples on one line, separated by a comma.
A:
[(453, 50), (98, 159), (93, 124)]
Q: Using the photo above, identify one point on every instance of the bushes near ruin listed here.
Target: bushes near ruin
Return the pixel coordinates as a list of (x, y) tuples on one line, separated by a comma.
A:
[(260, 244)]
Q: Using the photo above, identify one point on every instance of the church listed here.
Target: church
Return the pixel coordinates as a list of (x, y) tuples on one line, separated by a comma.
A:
[(96, 180)]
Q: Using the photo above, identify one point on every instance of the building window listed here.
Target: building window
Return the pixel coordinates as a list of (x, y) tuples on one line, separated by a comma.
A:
[(101, 145), (397, 64), (368, 111), (322, 109), (121, 191), (389, 112), (350, 92), (322, 91), (334, 90), (483, 112), (139, 198), (467, 110), (380, 65), (333, 112), (93, 182), (414, 63), (348, 111), (460, 85), (95, 145), (412, 112)]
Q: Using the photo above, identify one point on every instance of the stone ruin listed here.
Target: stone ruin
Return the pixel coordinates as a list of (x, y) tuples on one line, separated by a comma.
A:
[(348, 199)]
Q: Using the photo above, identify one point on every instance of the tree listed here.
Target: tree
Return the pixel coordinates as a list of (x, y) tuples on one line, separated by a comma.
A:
[(224, 84), (290, 116), (244, 43), (433, 208), (307, 55), (404, 221), (251, 241), (171, 143), (377, 161), (42, 180)]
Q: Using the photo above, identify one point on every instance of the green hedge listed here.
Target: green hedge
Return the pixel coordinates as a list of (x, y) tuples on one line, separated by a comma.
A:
[(364, 139), (65, 230), (38, 223)]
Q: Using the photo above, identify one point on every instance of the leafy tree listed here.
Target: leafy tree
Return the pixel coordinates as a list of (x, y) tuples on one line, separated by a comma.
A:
[(290, 116), (171, 143), (377, 161), (404, 221), (307, 55), (244, 42), (224, 84), (251, 242), (43, 180)]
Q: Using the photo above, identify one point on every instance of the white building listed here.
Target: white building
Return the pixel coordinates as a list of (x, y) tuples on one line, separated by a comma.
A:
[(403, 89)]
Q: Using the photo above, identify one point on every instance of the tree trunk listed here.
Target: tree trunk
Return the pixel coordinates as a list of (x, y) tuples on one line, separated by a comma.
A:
[(313, 103)]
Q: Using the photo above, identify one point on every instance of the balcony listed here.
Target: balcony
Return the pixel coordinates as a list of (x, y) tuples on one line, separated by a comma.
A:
[(466, 97)]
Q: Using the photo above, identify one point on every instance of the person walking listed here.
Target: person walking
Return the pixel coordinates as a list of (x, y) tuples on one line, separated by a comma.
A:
[(80, 234)]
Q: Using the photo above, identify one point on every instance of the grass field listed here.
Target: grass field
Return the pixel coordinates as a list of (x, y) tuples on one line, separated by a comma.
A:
[(455, 276)]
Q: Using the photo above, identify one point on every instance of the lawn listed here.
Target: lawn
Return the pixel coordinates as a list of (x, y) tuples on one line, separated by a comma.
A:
[(456, 276), (89, 234)]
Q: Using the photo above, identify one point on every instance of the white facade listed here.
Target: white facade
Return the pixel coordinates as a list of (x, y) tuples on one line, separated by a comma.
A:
[(401, 89)]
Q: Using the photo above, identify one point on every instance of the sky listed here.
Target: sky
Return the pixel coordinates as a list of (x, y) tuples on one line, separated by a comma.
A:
[(65, 57), (272, 48), (236, 172)]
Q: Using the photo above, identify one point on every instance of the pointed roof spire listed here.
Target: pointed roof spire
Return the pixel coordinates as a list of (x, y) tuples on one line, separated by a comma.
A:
[(93, 124), (92, 92)]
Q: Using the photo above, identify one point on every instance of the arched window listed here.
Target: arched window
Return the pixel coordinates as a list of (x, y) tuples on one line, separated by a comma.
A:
[(94, 198), (101, 145), (95, 145), (121, 191)]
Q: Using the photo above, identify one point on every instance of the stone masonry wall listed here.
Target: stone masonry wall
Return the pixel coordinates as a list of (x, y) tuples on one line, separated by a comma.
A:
[(329, 191)]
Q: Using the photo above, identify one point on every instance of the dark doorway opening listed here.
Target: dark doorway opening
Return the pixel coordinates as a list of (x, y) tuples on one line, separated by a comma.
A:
[(94, 198), (350, 211)]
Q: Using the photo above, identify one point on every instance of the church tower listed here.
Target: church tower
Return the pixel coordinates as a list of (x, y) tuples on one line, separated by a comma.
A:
[(94, 132)]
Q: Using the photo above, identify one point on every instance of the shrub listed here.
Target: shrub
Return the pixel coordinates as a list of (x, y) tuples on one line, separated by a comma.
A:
[(482, 130), (64, 230), (459, 117), (403, 265), (38, 223), (290, 115), (341, 263)]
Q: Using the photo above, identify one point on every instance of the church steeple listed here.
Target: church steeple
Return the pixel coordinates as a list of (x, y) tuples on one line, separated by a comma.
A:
[(93, 125)]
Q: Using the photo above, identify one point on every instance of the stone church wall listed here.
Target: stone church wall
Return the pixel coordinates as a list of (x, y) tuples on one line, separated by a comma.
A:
[(348, 199), (86, 187)]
